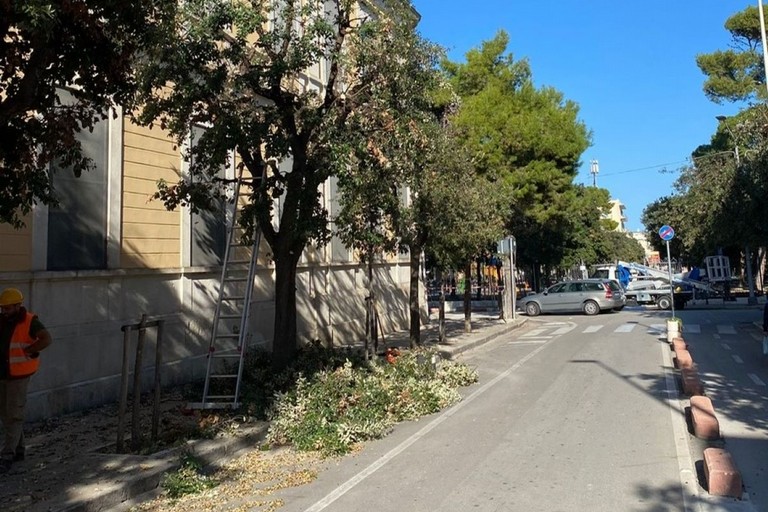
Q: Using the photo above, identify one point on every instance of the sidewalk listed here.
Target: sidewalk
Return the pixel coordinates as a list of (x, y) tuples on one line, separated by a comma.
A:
[(65, 470)]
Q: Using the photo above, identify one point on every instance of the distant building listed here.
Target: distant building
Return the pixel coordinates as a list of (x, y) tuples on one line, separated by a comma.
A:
[(651, 256), (616, 214)]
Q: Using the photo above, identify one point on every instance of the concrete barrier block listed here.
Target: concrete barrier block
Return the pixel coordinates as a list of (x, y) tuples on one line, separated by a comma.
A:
[(683, 359), (721, 474), (679, 344), (703, 419), (691, 384)]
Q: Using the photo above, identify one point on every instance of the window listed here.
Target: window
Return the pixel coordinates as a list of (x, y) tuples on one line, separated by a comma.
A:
[(77, 227), (558, 288), (576, 287), (208, 228)]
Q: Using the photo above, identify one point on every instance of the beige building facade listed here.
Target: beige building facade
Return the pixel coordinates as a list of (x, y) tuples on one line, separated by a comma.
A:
[(109, 254)]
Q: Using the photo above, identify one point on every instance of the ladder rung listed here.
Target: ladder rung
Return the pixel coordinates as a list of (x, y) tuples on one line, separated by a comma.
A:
[(234, 297), (221, 397), (229, 317), (224, 376), (235, 279), (226, 356), (213, 405), (227, 336)]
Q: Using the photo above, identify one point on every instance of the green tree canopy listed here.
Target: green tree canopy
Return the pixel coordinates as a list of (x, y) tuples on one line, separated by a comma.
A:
[(242, 70), (87, 47), (527, 140), (736, 74)]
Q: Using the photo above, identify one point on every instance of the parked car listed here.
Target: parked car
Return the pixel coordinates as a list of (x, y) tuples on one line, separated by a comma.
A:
[(588, 295)]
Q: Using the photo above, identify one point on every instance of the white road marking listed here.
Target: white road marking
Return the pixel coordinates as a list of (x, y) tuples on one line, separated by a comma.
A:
[(716, 336), (352, 482), (534, 333), (657, 328), (737, 359), (692, 328), (726, 329), (563, 330), (592, 328), (756, 379), (625, 328), (725, 346)]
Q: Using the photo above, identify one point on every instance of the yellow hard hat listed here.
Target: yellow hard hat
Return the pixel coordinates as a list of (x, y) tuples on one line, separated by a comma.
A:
[(11, 296)]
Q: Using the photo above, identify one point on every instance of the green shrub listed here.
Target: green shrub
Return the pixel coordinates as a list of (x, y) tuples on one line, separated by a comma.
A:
[(188, 479), (336, 408)]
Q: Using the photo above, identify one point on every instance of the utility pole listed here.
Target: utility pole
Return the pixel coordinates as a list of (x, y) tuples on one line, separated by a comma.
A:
[(594, 168)]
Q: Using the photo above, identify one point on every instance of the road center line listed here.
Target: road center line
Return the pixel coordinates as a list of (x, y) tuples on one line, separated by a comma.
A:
[(756, 379), (352, 482)]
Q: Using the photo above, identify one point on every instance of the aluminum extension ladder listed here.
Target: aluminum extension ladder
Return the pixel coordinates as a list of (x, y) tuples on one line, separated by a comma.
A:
[(229, 332)]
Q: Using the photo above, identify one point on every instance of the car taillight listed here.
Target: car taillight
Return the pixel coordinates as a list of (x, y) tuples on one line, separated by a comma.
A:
[(608, 292)]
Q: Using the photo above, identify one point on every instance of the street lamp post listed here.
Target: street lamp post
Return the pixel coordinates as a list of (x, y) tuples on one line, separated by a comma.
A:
[(765, 44), (747, 254)]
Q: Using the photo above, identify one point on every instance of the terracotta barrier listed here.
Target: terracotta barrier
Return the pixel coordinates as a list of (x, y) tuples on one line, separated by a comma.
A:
[(705, 424), (683, 359), (691, 383), (723, 479)]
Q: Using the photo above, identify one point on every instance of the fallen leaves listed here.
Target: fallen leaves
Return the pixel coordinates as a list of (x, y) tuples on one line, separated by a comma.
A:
[(247, 483)]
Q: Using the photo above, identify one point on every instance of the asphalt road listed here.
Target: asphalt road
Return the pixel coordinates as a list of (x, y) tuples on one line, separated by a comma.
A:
[(726, 346), (572, 413)]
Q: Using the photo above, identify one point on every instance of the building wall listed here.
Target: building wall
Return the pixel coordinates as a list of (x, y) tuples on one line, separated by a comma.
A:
[(16, 248), (86, 310), (616, 214), (151, 234)]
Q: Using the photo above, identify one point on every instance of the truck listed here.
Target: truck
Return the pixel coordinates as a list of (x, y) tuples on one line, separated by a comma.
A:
[(649, 286)]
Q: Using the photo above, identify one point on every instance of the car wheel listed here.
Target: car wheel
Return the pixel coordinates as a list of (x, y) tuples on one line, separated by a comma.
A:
[(591, 308), (532, 309), (664, 302)]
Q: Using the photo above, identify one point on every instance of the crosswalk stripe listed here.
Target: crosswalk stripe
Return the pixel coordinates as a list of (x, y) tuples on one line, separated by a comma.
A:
[(692, 328), (756, 379), (726, 329), (592, 328), (563, 330), (625, 328), (534, 333)]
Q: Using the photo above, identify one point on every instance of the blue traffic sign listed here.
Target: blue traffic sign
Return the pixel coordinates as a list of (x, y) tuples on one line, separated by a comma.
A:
[(666, 232)]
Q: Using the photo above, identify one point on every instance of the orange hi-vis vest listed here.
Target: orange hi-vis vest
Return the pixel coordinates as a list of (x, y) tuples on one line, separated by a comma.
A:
[(20, 364)]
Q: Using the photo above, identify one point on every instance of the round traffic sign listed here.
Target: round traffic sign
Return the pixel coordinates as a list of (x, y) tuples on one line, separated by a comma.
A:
[(666, 233)]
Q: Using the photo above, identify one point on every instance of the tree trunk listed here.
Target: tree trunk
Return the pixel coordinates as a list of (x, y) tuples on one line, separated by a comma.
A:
[(413, 299), (468, 297), (479, 275), (284, 346)]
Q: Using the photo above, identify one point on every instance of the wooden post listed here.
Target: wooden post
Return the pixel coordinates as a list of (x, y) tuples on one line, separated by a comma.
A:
[(123, 390), (135, 419), (158, 365)]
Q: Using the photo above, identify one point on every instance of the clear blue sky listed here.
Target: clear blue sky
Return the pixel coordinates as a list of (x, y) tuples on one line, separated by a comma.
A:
[(629, 66)]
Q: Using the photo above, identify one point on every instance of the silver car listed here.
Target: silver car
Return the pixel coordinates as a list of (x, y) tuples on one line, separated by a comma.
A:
[(588, 295)]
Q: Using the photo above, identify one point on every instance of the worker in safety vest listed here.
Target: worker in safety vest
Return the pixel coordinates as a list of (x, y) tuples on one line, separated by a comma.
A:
[(22, 337)]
